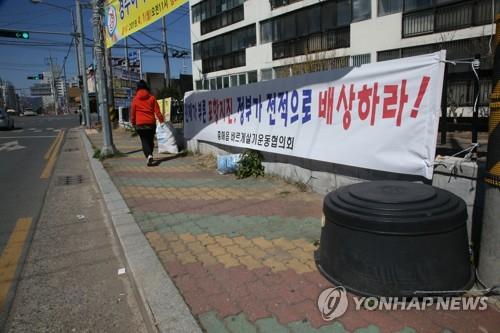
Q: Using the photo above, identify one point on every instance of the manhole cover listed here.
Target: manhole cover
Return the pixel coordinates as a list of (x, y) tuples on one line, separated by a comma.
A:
[(70, 180), (71, 149)]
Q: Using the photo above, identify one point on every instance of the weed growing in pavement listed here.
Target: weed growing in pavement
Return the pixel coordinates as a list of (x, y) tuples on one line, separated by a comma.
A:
[(301, 186), (250, 164), (207, 161), (97, 153), (101, 157)]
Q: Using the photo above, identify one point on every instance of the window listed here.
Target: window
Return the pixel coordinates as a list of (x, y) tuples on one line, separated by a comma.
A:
[(227, 50), (199, 85), (226, 81), (426, 16), (213, 84), (280, 3), (219, 82), (197, 51), (266, 31), (360, 59), (343, 13), (283, 71), (386, 7), (215, 14), (320, 27), (234, 80), (222, 20), (266, 74), (328, 16), (242, 79), (410, 5), (361, 10), (252, 76), (388, 55)]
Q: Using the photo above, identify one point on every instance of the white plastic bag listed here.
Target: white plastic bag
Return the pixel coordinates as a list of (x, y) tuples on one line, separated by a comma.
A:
[(227, 163), (166, 139)]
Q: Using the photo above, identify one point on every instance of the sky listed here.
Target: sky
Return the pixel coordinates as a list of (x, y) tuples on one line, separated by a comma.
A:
[(29, 57)]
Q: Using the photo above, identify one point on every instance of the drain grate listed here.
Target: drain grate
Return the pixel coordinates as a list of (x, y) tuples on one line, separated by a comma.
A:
[(70, 180), (71, 149)]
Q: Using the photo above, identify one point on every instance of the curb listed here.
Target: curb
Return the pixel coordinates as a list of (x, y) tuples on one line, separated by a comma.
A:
[(158, 293)]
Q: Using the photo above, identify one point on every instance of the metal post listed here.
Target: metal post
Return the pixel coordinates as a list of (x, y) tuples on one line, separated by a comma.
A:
[(84, 98), (444, 106), (475, 65), (489, 269), (127, 64), (165, 53), (107, 148)]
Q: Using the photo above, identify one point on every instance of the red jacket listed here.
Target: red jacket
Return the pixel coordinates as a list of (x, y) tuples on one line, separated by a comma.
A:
[(144, 109)]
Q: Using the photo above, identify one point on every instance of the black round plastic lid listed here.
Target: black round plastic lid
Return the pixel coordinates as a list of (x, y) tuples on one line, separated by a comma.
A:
[(395, 207)]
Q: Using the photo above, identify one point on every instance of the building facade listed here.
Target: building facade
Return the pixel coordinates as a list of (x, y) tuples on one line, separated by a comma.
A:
[(237, 42), (8, 98)]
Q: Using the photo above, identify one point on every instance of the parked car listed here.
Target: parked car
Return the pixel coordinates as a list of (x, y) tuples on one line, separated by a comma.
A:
[(12, 112), (29, 112), (6, 121)]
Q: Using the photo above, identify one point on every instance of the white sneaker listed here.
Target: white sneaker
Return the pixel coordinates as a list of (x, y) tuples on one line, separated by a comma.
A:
[(150, 160)]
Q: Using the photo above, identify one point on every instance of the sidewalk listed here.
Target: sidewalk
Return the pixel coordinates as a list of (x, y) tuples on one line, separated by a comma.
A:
[(241, 251), (70, 280)]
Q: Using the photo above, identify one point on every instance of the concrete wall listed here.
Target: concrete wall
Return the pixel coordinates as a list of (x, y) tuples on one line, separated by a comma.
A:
[(451, 173)]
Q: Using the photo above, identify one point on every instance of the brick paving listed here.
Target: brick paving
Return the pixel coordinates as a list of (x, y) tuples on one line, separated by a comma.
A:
[(241, 251)]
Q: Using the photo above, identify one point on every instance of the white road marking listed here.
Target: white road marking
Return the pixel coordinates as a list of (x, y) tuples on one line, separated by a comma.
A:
[(10, 146)]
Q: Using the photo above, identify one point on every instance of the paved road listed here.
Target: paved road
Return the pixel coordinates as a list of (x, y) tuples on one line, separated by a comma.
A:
[(25, 169)]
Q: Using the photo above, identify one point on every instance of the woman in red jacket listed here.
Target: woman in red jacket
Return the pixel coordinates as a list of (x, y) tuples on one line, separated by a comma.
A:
[(144, 109)]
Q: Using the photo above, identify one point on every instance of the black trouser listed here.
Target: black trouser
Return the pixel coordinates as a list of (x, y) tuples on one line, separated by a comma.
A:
[(147, 135)]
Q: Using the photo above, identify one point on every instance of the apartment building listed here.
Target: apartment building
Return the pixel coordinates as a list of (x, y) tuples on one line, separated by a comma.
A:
[(236, 42)]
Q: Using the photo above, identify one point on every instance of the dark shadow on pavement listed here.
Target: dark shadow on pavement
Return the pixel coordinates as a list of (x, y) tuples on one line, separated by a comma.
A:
[(133, 151), (159, 161)]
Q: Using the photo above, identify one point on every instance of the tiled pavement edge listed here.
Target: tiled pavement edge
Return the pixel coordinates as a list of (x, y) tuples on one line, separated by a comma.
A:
[(168, 310), (241, 251)]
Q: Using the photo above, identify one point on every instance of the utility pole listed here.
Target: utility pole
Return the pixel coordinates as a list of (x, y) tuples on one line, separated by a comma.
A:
[(107, 148), (489, 257), (77, 56), (84, 97), (165, 52)]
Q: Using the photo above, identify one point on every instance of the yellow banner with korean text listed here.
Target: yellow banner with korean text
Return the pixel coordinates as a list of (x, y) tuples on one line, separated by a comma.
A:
[(124, 17)]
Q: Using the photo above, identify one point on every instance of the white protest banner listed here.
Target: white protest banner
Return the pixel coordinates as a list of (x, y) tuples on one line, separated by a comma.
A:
[(381, 116)]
